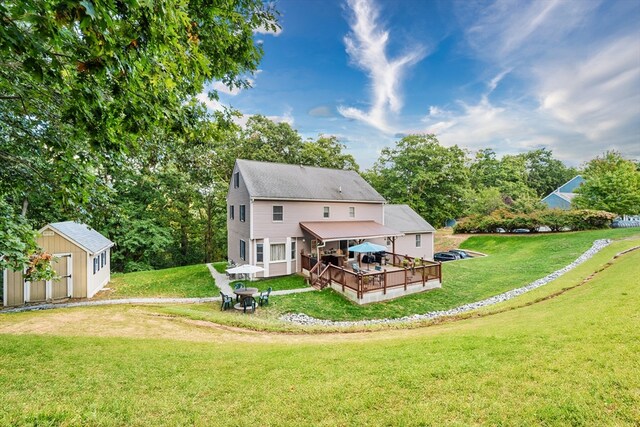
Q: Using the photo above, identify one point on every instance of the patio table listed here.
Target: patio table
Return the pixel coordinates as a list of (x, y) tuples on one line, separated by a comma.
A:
[(244, 293)]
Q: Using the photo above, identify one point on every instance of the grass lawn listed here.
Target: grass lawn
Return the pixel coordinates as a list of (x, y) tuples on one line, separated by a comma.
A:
[(221, 266), (569, 360), (190, 281), (513, 261), (276, 283)]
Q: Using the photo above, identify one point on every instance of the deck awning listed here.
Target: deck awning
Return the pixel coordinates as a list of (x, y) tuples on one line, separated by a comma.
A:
[(331, 231)]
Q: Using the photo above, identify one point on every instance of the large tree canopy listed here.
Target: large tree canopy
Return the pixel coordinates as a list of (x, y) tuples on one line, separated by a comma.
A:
[(83, 85), (612, 184), (418, 171)]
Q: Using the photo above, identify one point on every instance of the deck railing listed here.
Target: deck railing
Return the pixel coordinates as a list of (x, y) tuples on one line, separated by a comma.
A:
[(415, 270)]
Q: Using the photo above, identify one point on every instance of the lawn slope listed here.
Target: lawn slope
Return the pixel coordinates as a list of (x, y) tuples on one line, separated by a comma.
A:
[(567, 360)]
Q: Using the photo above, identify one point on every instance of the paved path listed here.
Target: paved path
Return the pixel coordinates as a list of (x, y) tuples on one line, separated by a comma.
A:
[(221, 281)]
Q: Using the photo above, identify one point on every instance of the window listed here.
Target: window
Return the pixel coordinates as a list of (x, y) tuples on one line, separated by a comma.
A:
[(236, 180), (418, 240), (103, 259), (278, 252), (232, 212), (95, 265), (243, 250), (326, 212), (278, 214), (352, 212), (242, 213), (259, 252), (293, 250)]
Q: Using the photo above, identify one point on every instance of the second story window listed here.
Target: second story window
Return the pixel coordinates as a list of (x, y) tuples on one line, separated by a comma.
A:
[(243, 250), (326, 212), (352, 212), (232, 212), (242, 213), (236, 180), (278, 213)]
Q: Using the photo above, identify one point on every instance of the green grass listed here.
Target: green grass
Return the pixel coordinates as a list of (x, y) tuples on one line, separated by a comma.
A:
[(190, 281), (221, 266), (276, 283), (570, 360), (513, 261)]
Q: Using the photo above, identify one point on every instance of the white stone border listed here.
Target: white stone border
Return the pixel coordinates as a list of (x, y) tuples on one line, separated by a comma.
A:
[(303, 319)]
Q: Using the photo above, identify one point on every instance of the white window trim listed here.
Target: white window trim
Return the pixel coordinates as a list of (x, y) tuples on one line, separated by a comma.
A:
[(272, 261), (418, 238), (352, 208), (328, 212), (240, 250)]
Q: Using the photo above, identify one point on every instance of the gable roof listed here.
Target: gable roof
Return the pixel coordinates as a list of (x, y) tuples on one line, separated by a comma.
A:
[(82, 235), (281, 181), (405, 219), (566, 190)]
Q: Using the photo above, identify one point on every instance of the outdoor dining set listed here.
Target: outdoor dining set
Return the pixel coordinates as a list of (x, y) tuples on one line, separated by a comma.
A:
[(245, 299)]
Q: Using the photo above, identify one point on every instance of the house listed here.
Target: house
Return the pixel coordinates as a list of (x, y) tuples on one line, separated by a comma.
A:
[(289, 218), (561, 197), (82, 261), (418, 235)]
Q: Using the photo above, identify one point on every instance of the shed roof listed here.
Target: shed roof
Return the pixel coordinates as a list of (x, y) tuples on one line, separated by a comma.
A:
[(405, 219), (81, 234), (281, 181), (328, 231)]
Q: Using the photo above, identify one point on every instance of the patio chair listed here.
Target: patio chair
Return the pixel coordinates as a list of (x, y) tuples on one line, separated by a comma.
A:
[(238, 285), (355, 267), (264, 297), (227, 301), (250, 303), (378, 268)]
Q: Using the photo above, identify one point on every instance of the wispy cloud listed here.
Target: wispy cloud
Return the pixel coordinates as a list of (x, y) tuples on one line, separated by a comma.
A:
[(366, 46)]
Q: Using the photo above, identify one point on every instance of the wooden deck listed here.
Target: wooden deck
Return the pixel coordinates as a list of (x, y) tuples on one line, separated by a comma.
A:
[(406, 275)]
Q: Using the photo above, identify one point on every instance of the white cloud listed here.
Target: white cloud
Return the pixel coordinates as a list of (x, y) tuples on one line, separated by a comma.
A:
[(275, 30), (286, 117), (321, 111), (366, 46), (232, 91), (212, 104)]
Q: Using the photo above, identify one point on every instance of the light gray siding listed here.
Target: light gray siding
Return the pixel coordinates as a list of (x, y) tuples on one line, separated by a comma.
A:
[(236, 229)]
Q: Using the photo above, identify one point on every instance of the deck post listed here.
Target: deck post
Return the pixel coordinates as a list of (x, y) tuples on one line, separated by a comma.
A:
[(423, 271), (405, 278), (359, 294), (384, 289), (344, 279)]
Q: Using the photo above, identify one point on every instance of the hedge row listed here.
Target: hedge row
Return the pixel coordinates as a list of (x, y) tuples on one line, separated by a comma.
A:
[(555, 219)]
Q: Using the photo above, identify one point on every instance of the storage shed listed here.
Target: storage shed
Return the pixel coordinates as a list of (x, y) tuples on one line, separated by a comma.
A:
[(82, 261)]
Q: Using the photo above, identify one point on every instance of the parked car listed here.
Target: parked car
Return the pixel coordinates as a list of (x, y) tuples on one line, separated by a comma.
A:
[(461, 253), (500, 230), (445, 256), (521, 230)]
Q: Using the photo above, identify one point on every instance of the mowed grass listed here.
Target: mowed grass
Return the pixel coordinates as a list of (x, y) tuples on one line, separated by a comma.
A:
[(191, 281), (513, 261), (569, 360)]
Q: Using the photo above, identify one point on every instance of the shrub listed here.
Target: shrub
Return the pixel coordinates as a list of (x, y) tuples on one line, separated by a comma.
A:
[(555, 219)]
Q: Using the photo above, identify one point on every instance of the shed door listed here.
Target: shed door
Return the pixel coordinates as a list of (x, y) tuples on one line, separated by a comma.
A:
[(60, 288), (37, 291)]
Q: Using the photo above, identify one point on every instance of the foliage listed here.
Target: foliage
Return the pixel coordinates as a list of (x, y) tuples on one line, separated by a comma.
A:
[(418, 171), (612, 184), (19, 249), (555, 219), (84, 85), (483, 201)]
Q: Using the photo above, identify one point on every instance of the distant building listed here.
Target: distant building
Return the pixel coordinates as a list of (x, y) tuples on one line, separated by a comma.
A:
[(561, 197)]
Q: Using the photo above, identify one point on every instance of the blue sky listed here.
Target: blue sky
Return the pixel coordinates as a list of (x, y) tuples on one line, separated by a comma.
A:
[(505, 74)]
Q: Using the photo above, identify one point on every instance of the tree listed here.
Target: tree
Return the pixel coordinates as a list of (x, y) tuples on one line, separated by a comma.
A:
[(612, 183), (430, 178), (544, 173), (83, 84)]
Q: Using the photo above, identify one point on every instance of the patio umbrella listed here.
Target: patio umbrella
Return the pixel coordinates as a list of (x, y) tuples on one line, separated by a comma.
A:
[(245, 269), (367, 247)]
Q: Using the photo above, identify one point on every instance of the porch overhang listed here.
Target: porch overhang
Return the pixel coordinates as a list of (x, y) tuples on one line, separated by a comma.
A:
[(331, 231)]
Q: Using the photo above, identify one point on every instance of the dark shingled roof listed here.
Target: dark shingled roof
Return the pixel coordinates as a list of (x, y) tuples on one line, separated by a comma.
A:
[(82, 235), (283, 181), (405, 219)]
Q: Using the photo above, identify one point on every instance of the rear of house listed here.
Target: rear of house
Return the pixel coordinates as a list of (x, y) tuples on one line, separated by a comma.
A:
[(82, 262), (417, 240)]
